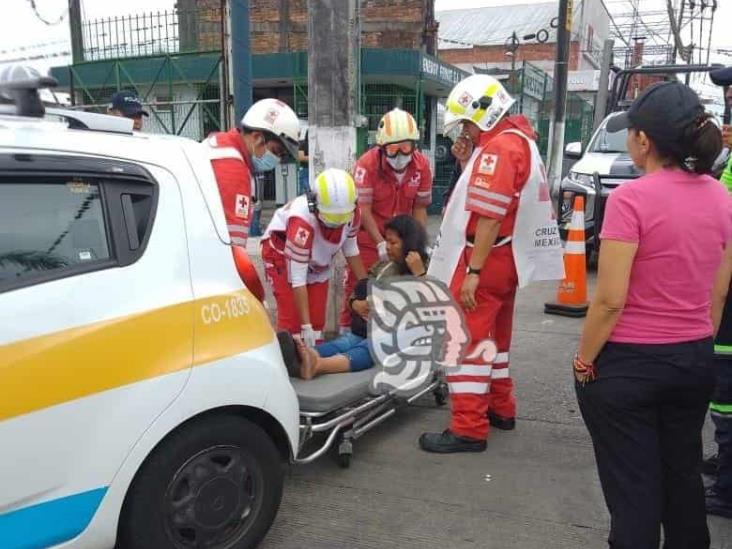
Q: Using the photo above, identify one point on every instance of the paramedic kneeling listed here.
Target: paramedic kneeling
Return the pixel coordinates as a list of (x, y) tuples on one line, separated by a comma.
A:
[(299, 246)]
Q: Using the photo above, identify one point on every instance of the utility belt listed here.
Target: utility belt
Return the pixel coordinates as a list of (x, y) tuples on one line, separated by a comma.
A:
[(500, 241)]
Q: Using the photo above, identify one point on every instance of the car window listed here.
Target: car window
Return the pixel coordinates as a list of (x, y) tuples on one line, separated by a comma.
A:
[(47, 227), (610, 142)]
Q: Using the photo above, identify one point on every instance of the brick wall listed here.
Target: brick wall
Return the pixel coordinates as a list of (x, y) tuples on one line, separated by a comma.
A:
[(497, 54), (281, 25)]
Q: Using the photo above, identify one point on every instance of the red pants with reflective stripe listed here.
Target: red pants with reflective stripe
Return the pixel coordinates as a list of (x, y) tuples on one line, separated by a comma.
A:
[(275, 269), (476, 386), (369, 256)]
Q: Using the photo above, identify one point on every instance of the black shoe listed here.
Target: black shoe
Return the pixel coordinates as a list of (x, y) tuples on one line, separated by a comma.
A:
[(447, 442), (709, 466), (502, 423), (718, 505)]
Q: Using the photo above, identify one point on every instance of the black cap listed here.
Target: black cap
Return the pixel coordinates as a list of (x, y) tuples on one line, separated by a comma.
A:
[(128, 104), (663, 109), (722, 77)]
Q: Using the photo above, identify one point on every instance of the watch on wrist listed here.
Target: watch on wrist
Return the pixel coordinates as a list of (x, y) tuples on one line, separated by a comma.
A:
[(472, 271)]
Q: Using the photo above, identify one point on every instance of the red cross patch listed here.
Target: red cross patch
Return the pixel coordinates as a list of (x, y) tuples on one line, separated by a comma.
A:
[(241, 206), (487, 165), (465, 99), (301, 236)]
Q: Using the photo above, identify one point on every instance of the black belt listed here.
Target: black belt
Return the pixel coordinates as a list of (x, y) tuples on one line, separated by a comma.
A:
[(500, 241)]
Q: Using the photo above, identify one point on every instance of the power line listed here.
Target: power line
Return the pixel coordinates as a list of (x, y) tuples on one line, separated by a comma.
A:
[(43, 19)]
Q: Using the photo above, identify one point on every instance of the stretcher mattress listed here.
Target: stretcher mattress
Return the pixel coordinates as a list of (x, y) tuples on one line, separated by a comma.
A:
[(333, 391)]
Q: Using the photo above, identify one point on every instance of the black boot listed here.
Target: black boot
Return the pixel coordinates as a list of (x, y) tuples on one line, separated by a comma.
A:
[(502, 423), (709, 466), (448, 442), (717, 504)]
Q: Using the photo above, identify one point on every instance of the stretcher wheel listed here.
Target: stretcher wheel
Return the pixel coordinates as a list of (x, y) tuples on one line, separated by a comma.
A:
[(345, 451), (440, 395)]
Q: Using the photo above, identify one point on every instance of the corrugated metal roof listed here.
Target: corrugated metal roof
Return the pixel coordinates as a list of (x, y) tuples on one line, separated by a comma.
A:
[(494, 25)]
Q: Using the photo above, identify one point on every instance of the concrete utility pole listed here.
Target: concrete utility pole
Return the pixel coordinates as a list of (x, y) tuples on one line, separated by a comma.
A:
[(77, 41), (561, 72), (333, 75), (602, 92)]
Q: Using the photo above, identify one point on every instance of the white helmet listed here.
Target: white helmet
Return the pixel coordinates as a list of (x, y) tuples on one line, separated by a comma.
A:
[(334, 194), (274, 116), (480, 99), (397, 126)]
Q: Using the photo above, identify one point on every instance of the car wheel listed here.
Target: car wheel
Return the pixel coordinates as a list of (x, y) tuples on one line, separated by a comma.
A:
[(216, 483)]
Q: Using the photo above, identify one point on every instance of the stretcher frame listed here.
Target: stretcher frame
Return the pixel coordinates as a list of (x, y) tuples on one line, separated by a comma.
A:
[(348, 423)]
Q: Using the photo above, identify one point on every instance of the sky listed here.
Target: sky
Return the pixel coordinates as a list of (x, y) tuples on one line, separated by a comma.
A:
[(22, 29)]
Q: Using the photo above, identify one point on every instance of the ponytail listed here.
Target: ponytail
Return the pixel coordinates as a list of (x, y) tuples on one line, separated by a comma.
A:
[(698, 147), (704, 146)]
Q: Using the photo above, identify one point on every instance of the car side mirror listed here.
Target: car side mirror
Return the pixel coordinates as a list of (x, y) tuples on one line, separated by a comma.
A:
[(573, 150)]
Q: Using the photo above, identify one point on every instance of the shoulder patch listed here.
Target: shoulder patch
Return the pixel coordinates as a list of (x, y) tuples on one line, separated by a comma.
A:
[(241, 206), (301, 236), (360, 174), (487, 164), (482, 182)]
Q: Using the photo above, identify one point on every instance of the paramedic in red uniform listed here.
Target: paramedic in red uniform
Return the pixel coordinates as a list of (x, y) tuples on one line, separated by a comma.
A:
[(299, 248), (269, 132), (482, 274), (393, 178)]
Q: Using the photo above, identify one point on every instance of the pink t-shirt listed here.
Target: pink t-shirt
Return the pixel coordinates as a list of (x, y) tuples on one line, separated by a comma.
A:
[(681, 223)]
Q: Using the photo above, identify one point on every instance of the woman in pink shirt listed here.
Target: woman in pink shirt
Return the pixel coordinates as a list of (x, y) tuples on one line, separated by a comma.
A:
[(644, 365)]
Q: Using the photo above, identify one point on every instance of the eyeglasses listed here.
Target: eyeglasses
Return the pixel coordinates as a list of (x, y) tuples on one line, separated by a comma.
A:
[(405, 147)]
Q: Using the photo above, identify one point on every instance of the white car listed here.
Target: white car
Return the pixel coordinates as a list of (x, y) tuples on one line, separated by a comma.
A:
[(145, 403), (606, 156)]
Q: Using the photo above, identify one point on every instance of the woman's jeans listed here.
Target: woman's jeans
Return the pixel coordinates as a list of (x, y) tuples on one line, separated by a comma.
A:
[(356, 348), (645, 414)]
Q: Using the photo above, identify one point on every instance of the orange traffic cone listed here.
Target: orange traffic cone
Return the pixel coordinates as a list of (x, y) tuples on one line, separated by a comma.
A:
[(572, 292)]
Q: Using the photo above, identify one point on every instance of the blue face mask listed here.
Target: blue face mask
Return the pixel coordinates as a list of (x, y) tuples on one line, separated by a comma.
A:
[(265, 163)]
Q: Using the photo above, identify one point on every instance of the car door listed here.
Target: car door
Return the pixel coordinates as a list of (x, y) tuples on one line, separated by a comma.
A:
[(96, 331)]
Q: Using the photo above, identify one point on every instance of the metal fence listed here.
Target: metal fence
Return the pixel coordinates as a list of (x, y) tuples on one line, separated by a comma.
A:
[(152, 33)]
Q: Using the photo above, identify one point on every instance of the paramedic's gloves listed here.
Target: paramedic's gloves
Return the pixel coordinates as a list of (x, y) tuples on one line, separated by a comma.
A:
[(307, 334), (381, 248)]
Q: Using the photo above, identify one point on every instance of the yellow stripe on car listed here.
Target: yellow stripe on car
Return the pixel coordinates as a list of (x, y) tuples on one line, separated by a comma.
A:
[(52, 369)]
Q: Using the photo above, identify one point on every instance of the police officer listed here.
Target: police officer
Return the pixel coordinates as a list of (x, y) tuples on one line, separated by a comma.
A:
[(127, 104), (719, 495)]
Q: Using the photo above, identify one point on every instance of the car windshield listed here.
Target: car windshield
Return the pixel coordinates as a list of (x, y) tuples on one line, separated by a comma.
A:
[(606, 142)]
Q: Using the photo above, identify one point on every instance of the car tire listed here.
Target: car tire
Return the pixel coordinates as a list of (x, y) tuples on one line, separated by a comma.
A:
[(215, 483)]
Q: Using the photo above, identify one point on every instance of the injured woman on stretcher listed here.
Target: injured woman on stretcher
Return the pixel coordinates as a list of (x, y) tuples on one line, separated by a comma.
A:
[(406, 244)]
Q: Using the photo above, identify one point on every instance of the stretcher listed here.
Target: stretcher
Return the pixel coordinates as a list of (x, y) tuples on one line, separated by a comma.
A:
[(343, 407)]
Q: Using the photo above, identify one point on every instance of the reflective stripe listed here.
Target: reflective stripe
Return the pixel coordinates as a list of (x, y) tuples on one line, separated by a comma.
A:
[(486, 206), (720, 408), (574, 248), (468, 387), (500, 373), (469, 370), (224, 152), (491, 195), (238, 229), (424, 194), (291, 249), (238, 241), (723, 349), (501, 358)]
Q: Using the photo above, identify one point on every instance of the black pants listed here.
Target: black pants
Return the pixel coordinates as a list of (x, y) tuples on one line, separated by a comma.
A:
[(721, 412), (645, 414)]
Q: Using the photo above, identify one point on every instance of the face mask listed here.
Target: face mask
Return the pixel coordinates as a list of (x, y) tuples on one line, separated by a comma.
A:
[(399, 162), (265, 163)]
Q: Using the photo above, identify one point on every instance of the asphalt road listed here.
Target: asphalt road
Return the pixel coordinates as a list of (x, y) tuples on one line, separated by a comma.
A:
[(534, 488)]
